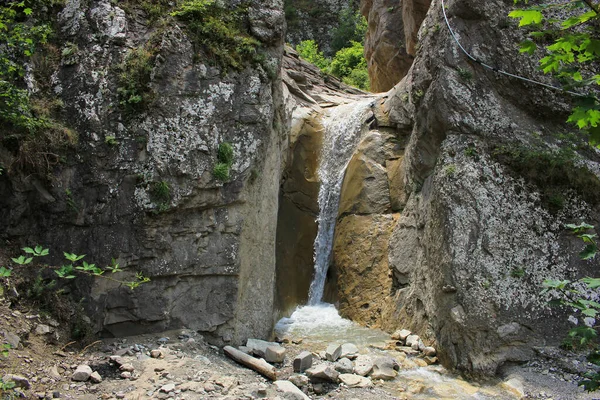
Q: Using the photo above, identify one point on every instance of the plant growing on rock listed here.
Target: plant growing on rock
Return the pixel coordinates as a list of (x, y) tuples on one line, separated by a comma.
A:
[(74, 266), (572, 55), (225, 161), (576, 295), (222, 32), (134, 80)]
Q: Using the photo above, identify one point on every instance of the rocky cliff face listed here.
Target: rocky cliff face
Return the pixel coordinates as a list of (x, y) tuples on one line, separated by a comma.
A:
[(478, 228), (315, 20), (391, 42), (139, 186)]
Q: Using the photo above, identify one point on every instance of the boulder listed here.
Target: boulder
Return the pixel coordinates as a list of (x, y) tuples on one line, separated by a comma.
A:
[(20, 381), (412, 341), (259, 347), (401, 335), (383, 373)]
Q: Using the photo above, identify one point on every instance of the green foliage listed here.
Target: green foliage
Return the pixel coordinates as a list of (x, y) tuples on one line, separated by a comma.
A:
[(517, 272), (220, 31), (221, 171), (574, 295), (225, 153), (75, 265), (160, 191), (309, 50), (154, 9), (465, 74), (20, 38), (111, 140), (4, 348), (352, 27), (572, 55), (348, 64), (70, 54), (225, 158), (134, 80)]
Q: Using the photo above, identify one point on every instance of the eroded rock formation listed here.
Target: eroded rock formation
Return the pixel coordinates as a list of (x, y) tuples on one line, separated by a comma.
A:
[(391, 42), (140, 188), (477, 231)]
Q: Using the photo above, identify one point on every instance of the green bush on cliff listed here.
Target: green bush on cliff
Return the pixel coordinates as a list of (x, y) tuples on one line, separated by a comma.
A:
[(134, 80), (349, 63), (220, 31), (352, 27), (225, 161)]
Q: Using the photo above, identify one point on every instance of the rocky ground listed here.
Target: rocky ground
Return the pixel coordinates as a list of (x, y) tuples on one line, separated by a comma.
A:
[(41, 363)]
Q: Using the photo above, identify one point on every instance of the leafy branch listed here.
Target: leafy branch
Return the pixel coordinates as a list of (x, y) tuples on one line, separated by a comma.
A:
[(572, 56), (75, 265)]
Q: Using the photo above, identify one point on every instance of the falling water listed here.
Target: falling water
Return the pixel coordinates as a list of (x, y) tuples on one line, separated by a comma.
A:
[(344, 126)]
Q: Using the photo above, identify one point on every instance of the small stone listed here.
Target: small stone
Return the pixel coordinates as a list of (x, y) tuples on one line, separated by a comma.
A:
[(412, 339), (82, 373), (120, 395), (95, 377), (127, 368), (429, 351), (386, 362), (126, 375), (42, 329), (156, 353), (384, 373), (12, 339), (297, 341), (355, 381), (163, 340), (168, 388), (363, 365), (299, 380), (420, 362), (56, 395), (322, 372), (275, 354), (245, 349), (344, 366), (318, 388), (333, 352), (117, 360), (53, 372), (401, 334), (303, 361), (209, 387), (349, 350), (290, 391), (430, 360), (20, 381), (259, 347)]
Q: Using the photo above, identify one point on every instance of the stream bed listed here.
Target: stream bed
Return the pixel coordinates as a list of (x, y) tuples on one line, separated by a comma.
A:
[(317, 326)]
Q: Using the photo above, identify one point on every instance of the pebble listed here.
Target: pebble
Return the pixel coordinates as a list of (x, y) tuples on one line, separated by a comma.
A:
[(169, 387), (95, 377), (82, 373), (299, 380), (42, 329), (412, 339), (127, 368), (126, 375), (349, 350), (401, 334), (20, 381), (156, 353), (429, 351)]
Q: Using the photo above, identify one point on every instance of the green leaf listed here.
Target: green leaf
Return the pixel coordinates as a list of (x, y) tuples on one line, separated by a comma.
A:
[(590, 312), (527, 17), (528, 47), (579, 228), (27, 11), (5, 272), (28, 250), (588, 252), (592, 283)]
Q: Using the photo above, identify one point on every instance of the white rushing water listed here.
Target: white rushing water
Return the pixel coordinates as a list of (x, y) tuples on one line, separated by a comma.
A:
[(344, 126)]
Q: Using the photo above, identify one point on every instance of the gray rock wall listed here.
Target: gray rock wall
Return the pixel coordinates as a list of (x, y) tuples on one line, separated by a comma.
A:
[(476, 237), (208, 246)]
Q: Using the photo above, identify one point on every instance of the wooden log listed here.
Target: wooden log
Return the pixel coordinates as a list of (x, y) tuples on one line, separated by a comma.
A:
[(258, 365)]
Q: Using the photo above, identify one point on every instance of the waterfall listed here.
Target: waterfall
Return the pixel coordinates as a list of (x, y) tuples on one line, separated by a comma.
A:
[(344, 126)]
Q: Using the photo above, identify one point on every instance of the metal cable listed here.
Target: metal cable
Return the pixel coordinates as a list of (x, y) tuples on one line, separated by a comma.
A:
[(478, 61)]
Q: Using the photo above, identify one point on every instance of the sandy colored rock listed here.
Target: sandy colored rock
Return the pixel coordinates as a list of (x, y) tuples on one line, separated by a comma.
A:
[(82, 373), (355, 381)]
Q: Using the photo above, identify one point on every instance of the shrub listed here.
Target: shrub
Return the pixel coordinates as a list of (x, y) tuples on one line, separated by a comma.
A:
[(225, 153), (350, 63), (160, 191), (352, 27), (221, 171), (221, 32), (309, 51), (134, 80)]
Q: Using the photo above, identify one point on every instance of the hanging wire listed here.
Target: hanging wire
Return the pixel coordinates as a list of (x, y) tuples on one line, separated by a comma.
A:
[(478, 61)]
